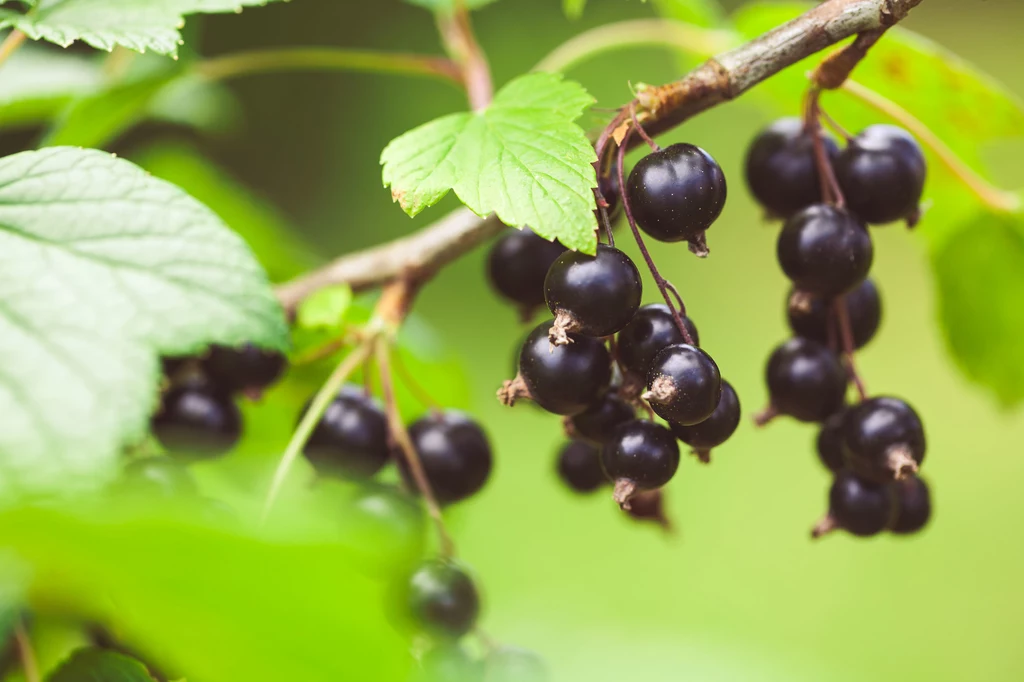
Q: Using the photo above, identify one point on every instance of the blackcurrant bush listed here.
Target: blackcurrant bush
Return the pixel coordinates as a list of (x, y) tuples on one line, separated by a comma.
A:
[(517, 265), (883, 439), (592, 295), (651, 329), (913, 505), (824, 250), (857, 506), (882, 173), (683, 384), (159, 477), (596, 423), (442, 599), (714, 430), (579, 467), (245, 367), (641, 455), (829, 442), (448, 662), (197, 421), (676, 193), (454, 452), (562, 379), (351, 438), (810, 316), (805, 380), (509, 664), (781, 170)]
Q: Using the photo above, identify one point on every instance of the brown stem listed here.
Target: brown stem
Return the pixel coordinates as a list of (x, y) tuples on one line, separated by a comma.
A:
[(846, 333), (824, 527), (830, 190), (459, 40), (837, 67)]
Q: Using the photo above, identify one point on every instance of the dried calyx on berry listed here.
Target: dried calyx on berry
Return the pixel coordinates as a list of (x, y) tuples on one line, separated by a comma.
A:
[(883, 439), (517, 265), (714, 430)]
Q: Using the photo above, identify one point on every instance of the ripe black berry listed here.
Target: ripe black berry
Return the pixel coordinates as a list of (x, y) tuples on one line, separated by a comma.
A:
[(351, 439), (913, 505), (592, 295), (160, 477), (454, 452), (651, 329), (442, 599), (597, 422), (805, 380), (563, 379), (829, 442), (676, 193), (882, 173), (641, 455), (517, 265), (609, 187), (714, 430), (683, 384), (825, 251), (197, 421), (883, 439), (810, 317), (857, 506), (781, 170), (245, 367), (579, 466)]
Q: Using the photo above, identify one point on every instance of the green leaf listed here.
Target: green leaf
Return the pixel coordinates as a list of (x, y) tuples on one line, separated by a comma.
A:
[(326, 308), (447, 6), (97, 665), (36, 83), (105, 267), (136, 24), (700, 12), (574, 8), (523, 158)]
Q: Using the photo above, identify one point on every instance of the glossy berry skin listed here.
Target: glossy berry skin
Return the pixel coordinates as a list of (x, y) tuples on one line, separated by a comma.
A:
[(351, 438), (455, 453), (597, 422), (684, 384), (913, 506), (651, 329), (642, 452), (579, 467), (677, 193), (881, 173), (829, 442), (874, 430), (197, 421), (248, 366), (780, 167), (863, 305), (600, 293), (717, 428), (858, 506), (564, 379), (442, 599), (825, 251), (160, 477), (517, 265), (805, 380)]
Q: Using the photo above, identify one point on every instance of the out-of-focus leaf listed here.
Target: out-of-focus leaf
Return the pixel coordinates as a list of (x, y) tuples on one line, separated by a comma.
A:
[(574, 8), (699, 12), (325, 309), (97, 665), (36, 83), (448, 5)]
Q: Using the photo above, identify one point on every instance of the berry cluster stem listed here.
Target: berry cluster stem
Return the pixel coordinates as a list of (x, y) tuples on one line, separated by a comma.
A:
[(830, 190), (846, 333)]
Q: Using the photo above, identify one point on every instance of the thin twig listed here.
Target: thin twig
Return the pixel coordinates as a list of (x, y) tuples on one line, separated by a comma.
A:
[(830, 190), (26, 653), (839, 303), (833, 71), (456, 31)]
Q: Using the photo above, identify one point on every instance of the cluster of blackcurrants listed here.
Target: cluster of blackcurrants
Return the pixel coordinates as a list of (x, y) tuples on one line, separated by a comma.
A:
[(875, 446), (603, 357)]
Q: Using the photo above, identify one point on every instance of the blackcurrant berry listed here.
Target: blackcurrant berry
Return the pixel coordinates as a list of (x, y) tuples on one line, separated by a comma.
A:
[(159, 477), (857, 506), (517, 265), (197, 421), (596, 423), (882, 173), (683, 384), (454, 452), (676, 193), (442, 599), (351, 438), (781, 170), (592, 295), (913, 505), (448, 662), (171, 365), (509, 664), (824, 250), (651, 329), (640, 456), (579, 467), (609, 187), (714, 430), (810, 316), (829, 442), (245, 367), (883, 439), (805, 380), (563, 379)]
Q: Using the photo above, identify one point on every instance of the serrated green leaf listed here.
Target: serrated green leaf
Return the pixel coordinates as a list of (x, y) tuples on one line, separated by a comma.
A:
[(326, 308), (574, 8), (136, 24), (104, 268), (97, 665), (523, 158), (699, 12), (36, 83), (449, 5)]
